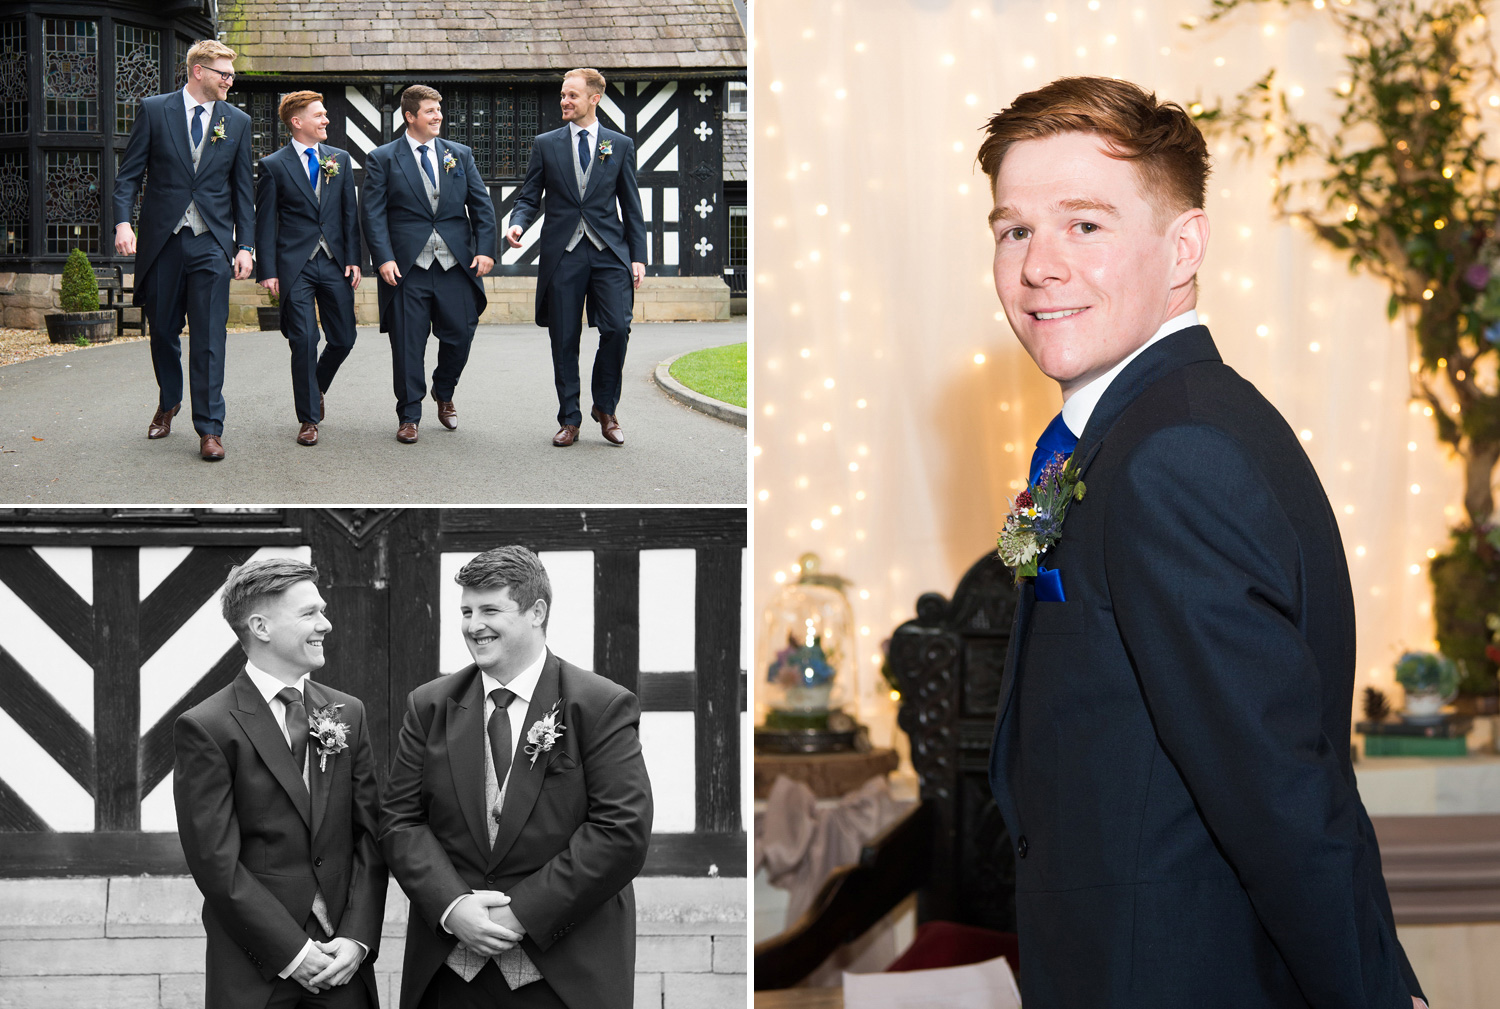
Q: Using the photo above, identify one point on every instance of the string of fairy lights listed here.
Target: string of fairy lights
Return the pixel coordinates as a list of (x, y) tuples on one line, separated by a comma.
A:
[(895, 413)]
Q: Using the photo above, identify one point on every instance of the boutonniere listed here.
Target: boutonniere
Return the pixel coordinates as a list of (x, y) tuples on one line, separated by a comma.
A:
[(331, 734), (218, 133), (330, 166), (449, 161), (1034, 524), (543, 733), (605, 149)]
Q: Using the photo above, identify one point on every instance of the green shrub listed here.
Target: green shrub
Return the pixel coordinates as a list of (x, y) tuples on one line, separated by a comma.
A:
[(80, 288), (1465, 590)]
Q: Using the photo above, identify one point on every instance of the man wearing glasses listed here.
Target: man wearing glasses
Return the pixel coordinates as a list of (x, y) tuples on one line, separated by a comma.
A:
[(197, 226)]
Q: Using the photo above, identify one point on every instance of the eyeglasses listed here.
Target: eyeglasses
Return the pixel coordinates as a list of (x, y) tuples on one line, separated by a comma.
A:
[(228, 77)]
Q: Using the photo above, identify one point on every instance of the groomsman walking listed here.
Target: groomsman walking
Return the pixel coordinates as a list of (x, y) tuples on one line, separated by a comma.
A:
[(197, 220), (578, 175), (306, 226), (427, 213)]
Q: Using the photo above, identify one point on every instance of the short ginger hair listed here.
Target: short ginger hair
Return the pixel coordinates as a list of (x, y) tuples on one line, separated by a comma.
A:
[(294, 103), (592, 79), (1170, 154)]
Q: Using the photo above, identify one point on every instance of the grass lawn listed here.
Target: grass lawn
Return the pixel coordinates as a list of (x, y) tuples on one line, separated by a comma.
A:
[(718, 372)]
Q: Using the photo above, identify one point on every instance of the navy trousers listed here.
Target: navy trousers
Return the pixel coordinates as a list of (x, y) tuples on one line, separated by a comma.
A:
[(440, 302), (599, 277), (190, 280), (321, 282), (488, 990)]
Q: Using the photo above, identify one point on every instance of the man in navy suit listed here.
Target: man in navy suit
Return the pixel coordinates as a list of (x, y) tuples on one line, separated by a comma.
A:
[(427, 213), (590, 253), (1171, 752), (197, 222), (307, 229)]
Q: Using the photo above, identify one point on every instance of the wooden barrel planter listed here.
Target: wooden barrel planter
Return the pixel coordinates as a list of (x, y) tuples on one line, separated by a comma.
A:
[(67, 327), (269, 319)]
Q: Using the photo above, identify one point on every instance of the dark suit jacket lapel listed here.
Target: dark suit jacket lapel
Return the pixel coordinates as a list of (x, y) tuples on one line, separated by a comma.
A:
[(447, 187), (408, 162), (217, 111), (320, 779), (298, 168), (466, 742), (526, 779), (329, 203), (254, 716), (176, 113), (597, 168)]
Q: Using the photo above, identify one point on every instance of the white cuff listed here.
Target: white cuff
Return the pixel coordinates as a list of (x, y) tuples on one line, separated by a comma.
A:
[(443, 919), (307, 948)]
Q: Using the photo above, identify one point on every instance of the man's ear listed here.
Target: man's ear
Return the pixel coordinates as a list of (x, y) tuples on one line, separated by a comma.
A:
[(1189, 234), (258, 626), (539, 613)]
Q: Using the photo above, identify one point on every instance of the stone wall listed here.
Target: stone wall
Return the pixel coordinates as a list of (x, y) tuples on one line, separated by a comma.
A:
[(136, 942), (26, 297)]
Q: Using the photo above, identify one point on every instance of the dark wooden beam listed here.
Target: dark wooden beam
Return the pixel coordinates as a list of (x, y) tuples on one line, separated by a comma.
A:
[(16, 814), (46, 594), (411, 620), (117, 688), (42, 718), (592, 528), (717, 658), (172, 603), (617, 616), (669, 691)]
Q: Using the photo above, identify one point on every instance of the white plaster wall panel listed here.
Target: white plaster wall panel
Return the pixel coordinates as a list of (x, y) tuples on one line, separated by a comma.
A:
[(668, 625), (59, 669), (570, 629), (158, 562), (667, 743), (74, 565), (41, 782), (158, 812)]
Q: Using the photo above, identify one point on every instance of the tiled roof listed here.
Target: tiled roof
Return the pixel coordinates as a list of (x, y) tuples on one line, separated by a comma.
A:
[(736, 148), (323, 36)]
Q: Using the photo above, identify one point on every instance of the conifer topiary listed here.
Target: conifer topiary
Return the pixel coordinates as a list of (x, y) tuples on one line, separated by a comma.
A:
[(80, 288)]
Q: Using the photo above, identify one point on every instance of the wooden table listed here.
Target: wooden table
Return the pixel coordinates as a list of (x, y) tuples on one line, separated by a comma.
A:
[(829, 775), (800, 998)]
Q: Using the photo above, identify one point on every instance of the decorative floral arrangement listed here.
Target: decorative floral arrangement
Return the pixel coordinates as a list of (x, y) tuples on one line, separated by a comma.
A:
[(804, 665), (218, 133), (449, 161), (1035, 522), (330, 166), (544, 732), (331, 734), (1427, 673), (605, 149)]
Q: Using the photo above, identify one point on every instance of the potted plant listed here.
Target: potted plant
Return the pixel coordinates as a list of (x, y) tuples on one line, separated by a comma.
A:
[(1430, 681), (80, 317), (269, 319)]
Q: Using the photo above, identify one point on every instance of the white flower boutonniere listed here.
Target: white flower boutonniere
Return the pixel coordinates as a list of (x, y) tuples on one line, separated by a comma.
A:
[(449, 161), (544, 732), (330, 166), (605, 149), (218, 133), (332, 735)]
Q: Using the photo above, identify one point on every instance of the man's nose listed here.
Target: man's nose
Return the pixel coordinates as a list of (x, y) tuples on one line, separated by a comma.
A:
[(1043, 262)]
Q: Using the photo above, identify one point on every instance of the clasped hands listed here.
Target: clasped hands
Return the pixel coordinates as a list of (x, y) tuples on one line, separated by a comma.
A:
[(329, 964), (483, 923)]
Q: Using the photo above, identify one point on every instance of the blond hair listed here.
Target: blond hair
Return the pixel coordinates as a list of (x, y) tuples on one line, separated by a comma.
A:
[(205, 51), (592, 79)]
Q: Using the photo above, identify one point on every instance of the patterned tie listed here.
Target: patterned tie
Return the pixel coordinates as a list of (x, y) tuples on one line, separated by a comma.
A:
[(197, 125), (312, 168), (583, 150), (296, 724), (1056, 440), (427, 165)]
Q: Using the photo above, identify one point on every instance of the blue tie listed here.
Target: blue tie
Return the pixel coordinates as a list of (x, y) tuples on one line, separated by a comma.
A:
[(1056, 440), (197, 125), (427, 165), (583, 150), (312, 168)]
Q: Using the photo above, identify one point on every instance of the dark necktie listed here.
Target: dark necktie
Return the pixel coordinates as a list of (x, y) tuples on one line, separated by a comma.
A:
[(583, 150), (296, 724), (312, 168), (197, 125), (1056, 440), (499, 732), (427, 165)]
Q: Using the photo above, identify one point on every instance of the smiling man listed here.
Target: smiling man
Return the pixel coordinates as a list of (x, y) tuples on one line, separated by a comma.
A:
[(516, 814), (278, 823), (1171, 752)]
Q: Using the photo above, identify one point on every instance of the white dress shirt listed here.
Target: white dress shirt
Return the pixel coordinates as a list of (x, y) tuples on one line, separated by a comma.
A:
[(302, 150), (269, 686), (1080, 406), (432, 159), (191, 104), (523, 686), (592, 129)]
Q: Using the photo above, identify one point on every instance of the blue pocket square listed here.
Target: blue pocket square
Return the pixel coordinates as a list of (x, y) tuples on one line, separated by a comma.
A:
[(1049, 587)]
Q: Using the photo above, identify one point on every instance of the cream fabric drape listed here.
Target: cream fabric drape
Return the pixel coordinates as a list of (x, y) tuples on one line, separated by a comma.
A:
[(894, 411)]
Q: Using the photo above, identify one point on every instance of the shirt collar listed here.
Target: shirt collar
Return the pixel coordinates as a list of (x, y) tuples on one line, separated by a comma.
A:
[(524, 685), (1080, 406), (269, 686), (413, 143), (190, 101), (592, 129), (302, 149)]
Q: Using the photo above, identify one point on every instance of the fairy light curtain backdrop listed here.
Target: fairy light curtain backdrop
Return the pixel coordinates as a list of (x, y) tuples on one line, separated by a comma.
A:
[(896, 414)]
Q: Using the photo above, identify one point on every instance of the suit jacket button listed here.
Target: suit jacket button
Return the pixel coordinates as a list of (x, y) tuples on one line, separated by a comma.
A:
[(318, 861), (1022, 846), (489, 879)]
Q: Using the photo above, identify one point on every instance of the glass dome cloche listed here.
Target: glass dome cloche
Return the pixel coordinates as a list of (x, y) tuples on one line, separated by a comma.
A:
[(805, 653)]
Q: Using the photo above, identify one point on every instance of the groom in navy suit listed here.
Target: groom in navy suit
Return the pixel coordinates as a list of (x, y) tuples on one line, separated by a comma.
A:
[(430, 225), (197, 222), (589, 250), (1171, 753), (307, 228)]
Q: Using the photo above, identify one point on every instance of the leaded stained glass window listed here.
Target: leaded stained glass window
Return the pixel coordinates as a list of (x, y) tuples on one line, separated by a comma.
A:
[(15, 204), (70, 75), (180, 74), (13, 87), (72, 201), (498, 124), (137, 71)]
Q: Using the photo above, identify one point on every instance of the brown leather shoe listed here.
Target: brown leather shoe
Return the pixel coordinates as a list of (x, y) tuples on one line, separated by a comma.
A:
[(609, 426), (565, 436), (210, 447), (447, 414), (406, 434), (161, 422), (308, 435)]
